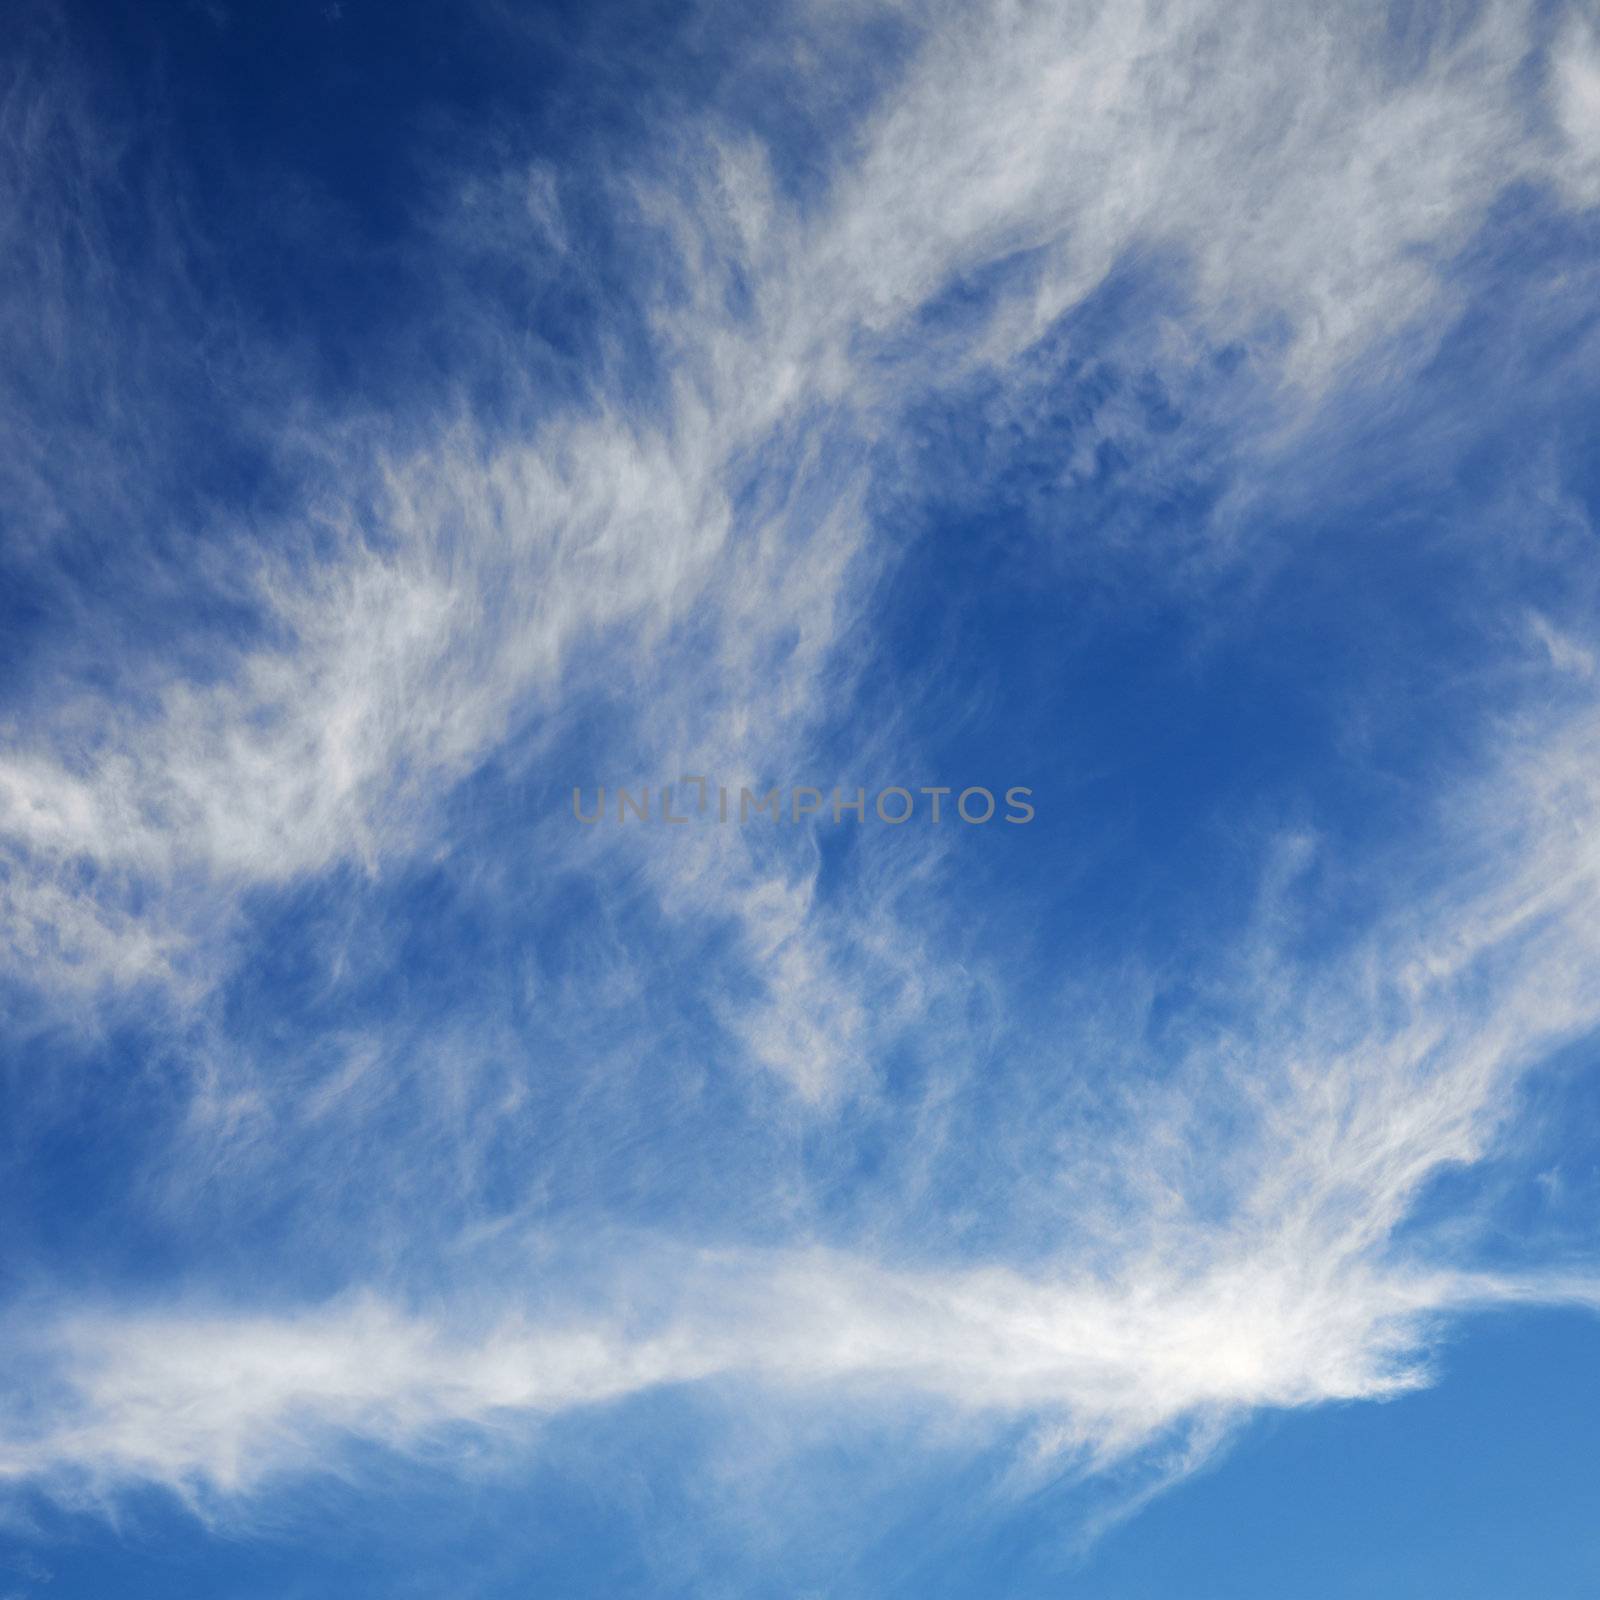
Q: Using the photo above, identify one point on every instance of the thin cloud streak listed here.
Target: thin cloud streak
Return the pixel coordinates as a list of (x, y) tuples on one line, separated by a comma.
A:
[(1249, 1225), (393, 670), (1298, 1289)]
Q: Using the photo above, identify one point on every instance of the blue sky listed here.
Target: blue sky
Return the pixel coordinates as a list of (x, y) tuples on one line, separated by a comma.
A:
[(1181, 412)]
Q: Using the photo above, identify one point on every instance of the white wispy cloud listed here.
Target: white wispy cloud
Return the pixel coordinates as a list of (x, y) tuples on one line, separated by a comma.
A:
[(1200, 1276), (386, 668), (1575, 70), (1243, 1227)]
